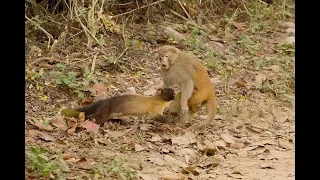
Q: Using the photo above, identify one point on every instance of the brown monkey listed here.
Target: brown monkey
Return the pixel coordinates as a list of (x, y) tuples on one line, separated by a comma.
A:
[(187, 73), (126, 105)]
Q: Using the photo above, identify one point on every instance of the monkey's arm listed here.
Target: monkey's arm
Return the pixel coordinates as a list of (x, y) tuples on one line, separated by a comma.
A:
[(186, 93)]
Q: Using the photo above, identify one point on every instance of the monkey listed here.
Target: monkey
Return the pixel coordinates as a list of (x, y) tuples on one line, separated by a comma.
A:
[(126, 105), (186, 72)]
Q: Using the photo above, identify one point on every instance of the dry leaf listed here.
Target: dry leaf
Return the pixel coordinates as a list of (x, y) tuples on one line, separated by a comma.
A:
[(236, 175), (252, 132), (46, 137), (227, 138), (209, 144), (240, 26), (156, 138), (90, 126), (42, 126), (237, 145), (177, 176), (138, 147), (185, 140), (266, 166), (100, 89), (147, 176), (190, 169), (59, 122), (33, 132), (174, 161), (209, 151), (66, 156), (200, 146), (243, 154), (285, 144), (156, 160), (220, 143)]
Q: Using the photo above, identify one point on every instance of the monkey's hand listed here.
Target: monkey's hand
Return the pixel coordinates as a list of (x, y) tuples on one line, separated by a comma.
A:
[(184, 109)]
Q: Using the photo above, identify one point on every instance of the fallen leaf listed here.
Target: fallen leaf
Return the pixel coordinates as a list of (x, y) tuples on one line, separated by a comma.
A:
[(237, 145), (60, 142), (243, 154), (138, 147), (66, 156), (252, 132), (185, 140), (59, 122), (147, 176), (42, 126), (90, 126), (72, 124), (156, 138), (100, 89), (46, 137), (190, 169), (240, 26), (33, 132), (266, 166), (227, 138), (174, 161), (177, 176), (285, 144), (200, 146), (235, 175), (82, 160), (209, 151), (221, 144), (209, 144), (156, 160)]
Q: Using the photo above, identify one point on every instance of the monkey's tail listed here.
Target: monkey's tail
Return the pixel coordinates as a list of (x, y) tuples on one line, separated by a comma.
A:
[(212, 110)]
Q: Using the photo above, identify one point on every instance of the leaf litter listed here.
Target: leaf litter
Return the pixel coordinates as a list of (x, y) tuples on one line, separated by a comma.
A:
[(211, 153)]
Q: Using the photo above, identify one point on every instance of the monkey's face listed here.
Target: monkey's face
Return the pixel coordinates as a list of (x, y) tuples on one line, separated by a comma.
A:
[(164, 60)]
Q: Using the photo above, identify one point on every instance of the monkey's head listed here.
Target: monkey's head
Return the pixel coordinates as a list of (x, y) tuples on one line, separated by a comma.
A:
[(167, 56), (167, 94)]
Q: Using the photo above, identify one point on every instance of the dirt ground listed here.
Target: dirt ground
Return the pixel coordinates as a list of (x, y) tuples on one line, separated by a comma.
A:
[(252, 137)]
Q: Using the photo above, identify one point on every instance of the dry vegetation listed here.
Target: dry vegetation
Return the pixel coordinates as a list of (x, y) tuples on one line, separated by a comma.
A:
[(80, 51)]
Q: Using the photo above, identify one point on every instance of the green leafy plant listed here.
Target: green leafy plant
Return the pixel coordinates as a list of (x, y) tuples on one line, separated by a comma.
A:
[(114, 168), (39, 163), (69, 79)]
